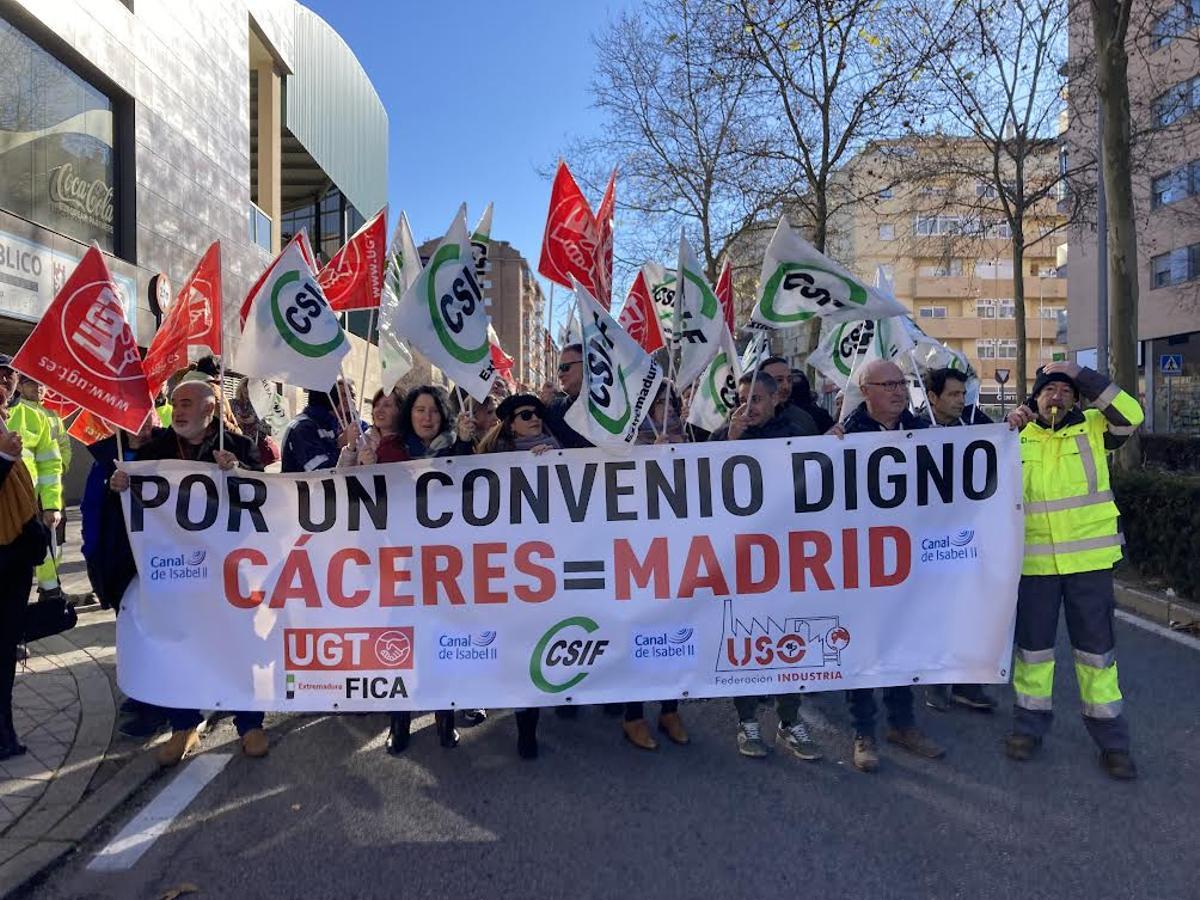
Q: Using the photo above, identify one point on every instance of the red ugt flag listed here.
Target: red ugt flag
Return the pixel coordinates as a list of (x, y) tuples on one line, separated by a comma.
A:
[(83, 348), (604, 249), (353, 279), (58, 404), (724, 292), (572, 236), (88, 430), (638, 317), (194, 320)]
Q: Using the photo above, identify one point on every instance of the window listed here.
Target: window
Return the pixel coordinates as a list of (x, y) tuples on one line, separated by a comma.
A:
[(1006, 349), (985, 310), (889, 270), (885, 193), (1176, 185), (1048, 312), (985, 190), (932, 312), (999, 230), (950, 268), (985, 349), (887, 232), (1176, 21), (993, 268), (929, 226), (1180, 265), (57, 156), (1005, 309), (1176, 102)]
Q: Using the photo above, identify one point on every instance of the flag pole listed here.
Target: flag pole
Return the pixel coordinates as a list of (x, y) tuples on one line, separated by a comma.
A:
[(221, 405), (371, 318)]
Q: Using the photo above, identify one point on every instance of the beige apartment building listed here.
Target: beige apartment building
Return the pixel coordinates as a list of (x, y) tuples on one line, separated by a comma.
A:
[(1164, 87), (943, 243)]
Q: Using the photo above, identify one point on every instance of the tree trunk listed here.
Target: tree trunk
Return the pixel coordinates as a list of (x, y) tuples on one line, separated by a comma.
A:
[(1112, 85), (820, 236), (1019, 382)]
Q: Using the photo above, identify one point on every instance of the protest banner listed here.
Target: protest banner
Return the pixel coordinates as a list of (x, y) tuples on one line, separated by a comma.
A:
[(690, 570)]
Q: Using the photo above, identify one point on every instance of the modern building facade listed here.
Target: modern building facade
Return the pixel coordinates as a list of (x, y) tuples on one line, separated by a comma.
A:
[(1164, 94), (948, 254), (154, 128)]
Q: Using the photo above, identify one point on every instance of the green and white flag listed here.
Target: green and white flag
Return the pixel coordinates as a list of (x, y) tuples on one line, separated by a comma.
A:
[(757, 351), (481, 239), (442, 314), (699, 319), (290, 333), (716, 396), (799, 282), (620, 379), (660, 282), (403, 267)]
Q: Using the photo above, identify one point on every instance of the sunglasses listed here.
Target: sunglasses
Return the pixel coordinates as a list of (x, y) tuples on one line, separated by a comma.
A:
[(526, 415), (563, 368)]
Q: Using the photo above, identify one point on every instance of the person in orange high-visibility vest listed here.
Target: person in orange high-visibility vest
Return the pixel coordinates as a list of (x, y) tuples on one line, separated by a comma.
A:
[(1071, 542)]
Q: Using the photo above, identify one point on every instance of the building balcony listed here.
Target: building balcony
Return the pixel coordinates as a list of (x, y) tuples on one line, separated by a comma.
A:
[(952, 327)]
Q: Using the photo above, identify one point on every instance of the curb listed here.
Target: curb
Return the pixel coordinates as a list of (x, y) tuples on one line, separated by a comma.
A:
[(1161, 610)]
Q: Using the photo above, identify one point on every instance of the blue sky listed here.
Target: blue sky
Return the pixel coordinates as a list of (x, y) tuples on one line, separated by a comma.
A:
[(479, 96)]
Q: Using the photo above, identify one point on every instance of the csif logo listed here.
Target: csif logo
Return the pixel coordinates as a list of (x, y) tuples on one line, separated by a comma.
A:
[(302, 316), (566, 648), (798, 291), (724, 395), (453, 296), (608, 395)]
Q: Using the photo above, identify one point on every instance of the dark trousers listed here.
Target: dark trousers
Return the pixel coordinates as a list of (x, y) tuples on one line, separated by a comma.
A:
[(527, 720), (1087, 601), (898, 701), (635, 711), (183, 719), (14, 597), (787, 707)]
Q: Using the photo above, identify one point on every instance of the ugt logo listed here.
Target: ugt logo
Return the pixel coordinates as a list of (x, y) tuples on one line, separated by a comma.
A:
[(566, 647), (798, 291), (301, 315), (96, 334), (453, 296), (608, 397)]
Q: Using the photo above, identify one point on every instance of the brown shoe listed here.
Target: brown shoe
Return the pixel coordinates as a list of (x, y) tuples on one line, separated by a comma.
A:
[(671, 725), (866, 757), (638, 733), (915, 741), (177, 746), (255, 743)]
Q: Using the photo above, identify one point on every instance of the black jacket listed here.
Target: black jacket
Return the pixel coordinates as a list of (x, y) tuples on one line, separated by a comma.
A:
[(556, 411), (167, 445), (971, 415), (781, 425), (860, 421), (821, 417)]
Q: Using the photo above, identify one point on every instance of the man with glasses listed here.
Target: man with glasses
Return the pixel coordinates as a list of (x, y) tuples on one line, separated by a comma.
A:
[(885, 409), (570, 382)]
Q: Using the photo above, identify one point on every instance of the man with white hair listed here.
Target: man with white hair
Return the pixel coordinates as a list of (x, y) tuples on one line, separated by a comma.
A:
[(885, 408), (194, 436)]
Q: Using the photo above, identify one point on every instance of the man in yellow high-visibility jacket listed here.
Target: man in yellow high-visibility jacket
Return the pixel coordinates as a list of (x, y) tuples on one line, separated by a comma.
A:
[(1071, 543)]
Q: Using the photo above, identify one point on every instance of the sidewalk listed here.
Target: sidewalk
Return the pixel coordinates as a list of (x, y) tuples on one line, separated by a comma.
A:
[(78, 769)]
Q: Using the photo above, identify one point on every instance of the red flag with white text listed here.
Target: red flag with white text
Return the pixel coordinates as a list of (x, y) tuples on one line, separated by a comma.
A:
[(638, 316), (724, 292), (194, 320), (571, 238), (353, 279), (604, 248), (88, 429), (84, 349)]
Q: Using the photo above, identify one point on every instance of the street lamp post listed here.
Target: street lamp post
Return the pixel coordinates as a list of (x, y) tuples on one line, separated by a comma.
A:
[(1002, 379)]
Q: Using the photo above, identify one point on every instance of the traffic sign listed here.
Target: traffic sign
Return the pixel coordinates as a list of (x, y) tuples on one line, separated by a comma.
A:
[(1170, 364), (1002, 376)]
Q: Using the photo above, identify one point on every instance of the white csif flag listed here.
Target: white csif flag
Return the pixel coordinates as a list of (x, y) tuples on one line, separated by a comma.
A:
[(620, 380), (699, 319), (798, 282), (401, 271), (716, 395), (442, 314), (290, 333)]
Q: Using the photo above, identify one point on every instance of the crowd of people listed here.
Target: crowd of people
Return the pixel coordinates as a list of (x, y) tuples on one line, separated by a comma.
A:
[(1072, 418)]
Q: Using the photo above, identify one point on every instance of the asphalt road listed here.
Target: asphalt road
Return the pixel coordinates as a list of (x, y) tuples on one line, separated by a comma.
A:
[(329, 814)]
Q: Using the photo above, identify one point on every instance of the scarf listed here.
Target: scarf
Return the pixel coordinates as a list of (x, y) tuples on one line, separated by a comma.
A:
[(528, 443), (417, 449), (18, 502)]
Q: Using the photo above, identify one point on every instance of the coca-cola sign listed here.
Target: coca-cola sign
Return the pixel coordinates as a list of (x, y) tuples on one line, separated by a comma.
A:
[(89, 201)]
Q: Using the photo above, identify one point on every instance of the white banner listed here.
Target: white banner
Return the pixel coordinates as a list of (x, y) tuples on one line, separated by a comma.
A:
[(508, 580)]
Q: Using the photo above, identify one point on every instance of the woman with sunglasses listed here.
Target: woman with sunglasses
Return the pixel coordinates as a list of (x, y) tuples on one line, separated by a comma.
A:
[(520, 427), (425, 430)]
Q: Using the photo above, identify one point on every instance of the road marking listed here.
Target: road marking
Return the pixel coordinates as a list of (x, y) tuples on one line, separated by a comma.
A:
[(146, 827), (1155, 628)]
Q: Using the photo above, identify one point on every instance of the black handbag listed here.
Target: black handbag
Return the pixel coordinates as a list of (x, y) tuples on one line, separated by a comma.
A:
[(48, 616)]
